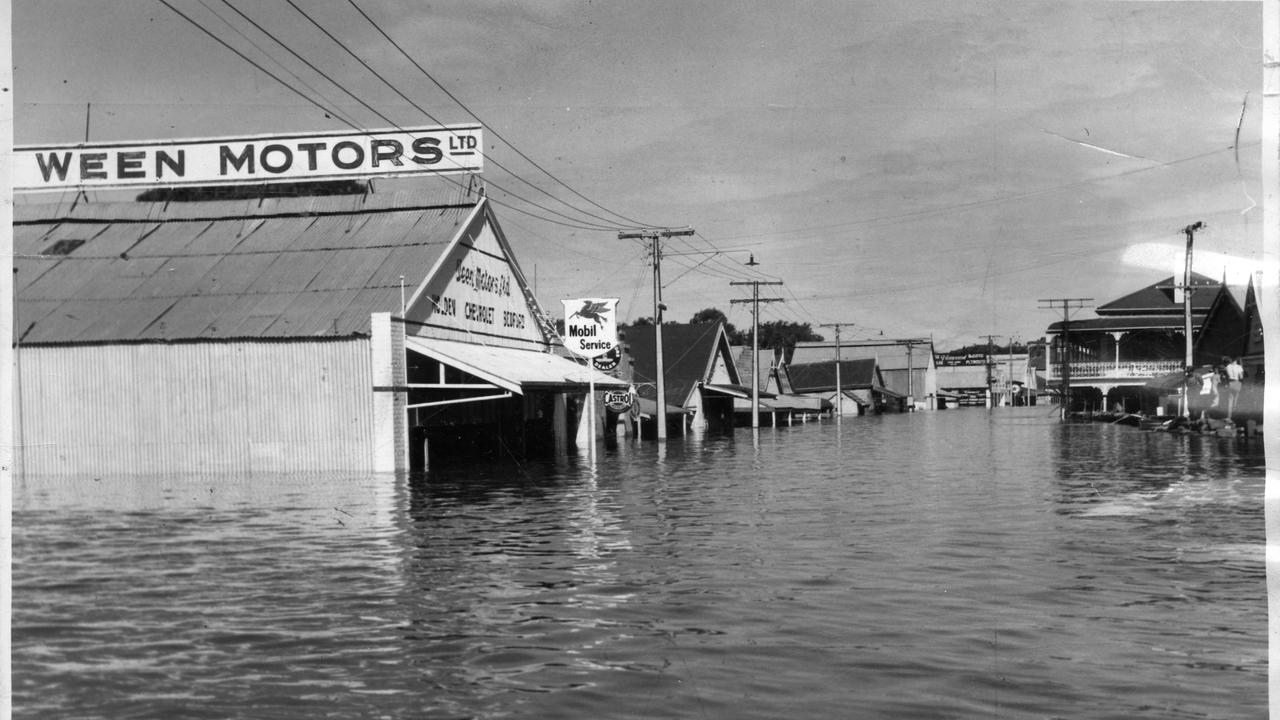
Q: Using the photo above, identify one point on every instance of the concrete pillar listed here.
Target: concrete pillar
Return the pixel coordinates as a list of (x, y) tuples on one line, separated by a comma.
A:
[(390, 394)]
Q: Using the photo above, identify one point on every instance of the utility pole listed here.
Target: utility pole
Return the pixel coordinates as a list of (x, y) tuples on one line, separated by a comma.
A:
[(1184, 290), (1066, 304), (991, 397), (839, 384), (1009, 382), (911, 400), (755, 338), (655, 237), (1189, 361)]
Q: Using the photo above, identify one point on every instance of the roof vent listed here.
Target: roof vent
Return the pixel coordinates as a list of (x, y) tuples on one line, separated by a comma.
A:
[(62, 247)]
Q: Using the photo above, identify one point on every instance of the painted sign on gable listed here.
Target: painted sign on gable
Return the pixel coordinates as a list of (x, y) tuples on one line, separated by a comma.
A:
[(590, 326), (477, 292)]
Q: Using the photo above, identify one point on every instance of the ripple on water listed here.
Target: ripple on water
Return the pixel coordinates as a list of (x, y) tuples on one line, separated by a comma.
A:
[(958, 564)]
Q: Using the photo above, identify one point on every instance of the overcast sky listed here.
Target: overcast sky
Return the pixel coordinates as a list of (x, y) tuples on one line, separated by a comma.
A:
[(914, 168)]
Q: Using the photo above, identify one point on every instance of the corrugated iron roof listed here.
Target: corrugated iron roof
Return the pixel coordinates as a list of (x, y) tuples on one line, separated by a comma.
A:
[(888, 355), (270, 268), (516, 370)]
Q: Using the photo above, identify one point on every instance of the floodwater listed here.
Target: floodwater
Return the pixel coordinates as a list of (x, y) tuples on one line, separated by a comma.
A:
[(957, 564)]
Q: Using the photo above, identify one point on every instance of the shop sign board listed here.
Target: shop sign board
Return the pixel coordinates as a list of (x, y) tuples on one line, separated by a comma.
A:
[(590, 326), (250, 160)]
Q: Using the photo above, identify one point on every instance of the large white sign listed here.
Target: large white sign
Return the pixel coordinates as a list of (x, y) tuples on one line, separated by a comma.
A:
[(590, 326), (250, 160)]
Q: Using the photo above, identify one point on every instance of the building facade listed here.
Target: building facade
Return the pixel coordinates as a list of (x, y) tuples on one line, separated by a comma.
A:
[(278, 334), (1111, 361)]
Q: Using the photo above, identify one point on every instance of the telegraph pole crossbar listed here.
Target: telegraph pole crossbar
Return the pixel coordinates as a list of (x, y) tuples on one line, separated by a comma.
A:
[(755, 339), (655, 237), (839, 410), (990, 372)]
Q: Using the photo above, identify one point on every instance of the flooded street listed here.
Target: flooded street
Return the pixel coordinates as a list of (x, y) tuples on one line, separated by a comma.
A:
[(957, 564)]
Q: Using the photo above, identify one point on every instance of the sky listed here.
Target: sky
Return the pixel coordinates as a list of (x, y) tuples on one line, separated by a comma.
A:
[(906, 169)]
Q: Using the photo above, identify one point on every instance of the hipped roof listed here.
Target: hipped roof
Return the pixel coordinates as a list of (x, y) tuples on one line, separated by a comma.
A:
[(1151, 308), (1157, 298), (259, 269)]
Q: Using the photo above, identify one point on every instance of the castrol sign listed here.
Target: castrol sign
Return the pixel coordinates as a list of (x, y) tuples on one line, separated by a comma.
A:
[(590, 326), (618, 401)]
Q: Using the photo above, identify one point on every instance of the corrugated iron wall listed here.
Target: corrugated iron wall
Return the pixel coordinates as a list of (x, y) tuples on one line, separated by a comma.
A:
[(218, 406)]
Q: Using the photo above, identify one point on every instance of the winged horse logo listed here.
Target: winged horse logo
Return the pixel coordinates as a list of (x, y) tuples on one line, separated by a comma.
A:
[(591, 311)]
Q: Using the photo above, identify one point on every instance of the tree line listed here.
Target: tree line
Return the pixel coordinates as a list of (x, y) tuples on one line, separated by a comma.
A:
[(773, 334)]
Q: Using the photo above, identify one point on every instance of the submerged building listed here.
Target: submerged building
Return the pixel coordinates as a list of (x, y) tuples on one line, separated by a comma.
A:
[(1118, 359), (700, 378), (373, 332), (907, 368)]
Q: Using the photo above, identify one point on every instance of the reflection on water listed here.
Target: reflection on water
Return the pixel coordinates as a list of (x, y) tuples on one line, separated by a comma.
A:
[(954, 564)]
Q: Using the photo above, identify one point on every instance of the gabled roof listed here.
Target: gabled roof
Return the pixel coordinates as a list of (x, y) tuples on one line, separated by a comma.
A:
[(821, 376), (1157, 298), (1253, 345), (261, 269), (746, 373), (689, 353)]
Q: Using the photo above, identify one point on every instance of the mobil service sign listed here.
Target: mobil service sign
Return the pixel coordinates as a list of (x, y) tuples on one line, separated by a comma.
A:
[(590, 326)]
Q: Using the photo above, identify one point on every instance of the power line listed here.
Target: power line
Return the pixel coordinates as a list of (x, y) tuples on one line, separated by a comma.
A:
[(1064, 353), (609, 227), (264, 52), (575, 223), (656, 237), (249, 60), (884, 220), (495, 133)]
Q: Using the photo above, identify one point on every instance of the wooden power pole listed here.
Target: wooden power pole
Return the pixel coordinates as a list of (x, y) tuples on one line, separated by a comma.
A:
[(1067, 304), (990, 372), (655, 237), (839, 385), (755, 339)]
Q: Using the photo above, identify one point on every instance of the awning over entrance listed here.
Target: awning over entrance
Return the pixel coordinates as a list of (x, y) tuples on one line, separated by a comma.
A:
[(648, 408), (796, 403), (516, 370), (737, 391)]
